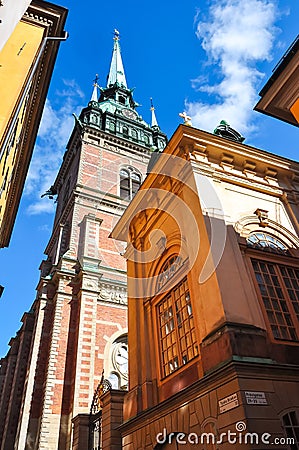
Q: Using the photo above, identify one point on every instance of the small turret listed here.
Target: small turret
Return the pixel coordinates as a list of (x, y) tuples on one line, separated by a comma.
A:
[(154, 123), (95, 95), (226, 131)]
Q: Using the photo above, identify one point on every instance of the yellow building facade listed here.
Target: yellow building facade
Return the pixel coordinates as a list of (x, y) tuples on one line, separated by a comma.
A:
[(27, 62), (213, 299)]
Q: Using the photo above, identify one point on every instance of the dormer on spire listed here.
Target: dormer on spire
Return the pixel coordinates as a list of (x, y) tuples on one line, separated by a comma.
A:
[(95, 96), (154, 123), (116, 74)]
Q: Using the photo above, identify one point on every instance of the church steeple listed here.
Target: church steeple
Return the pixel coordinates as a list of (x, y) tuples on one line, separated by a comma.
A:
[(116, 73), (114, 111)]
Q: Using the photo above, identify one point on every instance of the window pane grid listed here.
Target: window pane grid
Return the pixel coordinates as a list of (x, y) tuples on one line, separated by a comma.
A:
[(265, 241), (272, 281), (290, 278), (291, 428), (130, 182), (177, 333)]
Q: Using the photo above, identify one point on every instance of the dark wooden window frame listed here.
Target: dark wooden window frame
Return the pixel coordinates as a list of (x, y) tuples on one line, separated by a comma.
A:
[(128, 184), (174, 334), (277, 260), (290, 423)]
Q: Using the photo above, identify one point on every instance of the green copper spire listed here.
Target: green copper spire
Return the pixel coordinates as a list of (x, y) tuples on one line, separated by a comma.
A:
[(113, 110), (116, 73)]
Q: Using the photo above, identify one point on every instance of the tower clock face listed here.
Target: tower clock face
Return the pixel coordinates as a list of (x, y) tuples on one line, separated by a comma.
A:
[(129, 113), (120, 358)]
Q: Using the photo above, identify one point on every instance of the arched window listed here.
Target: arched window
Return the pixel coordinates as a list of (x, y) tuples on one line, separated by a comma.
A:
[(134, 134), (146, 139), (266, 242), (168, 270), (130, 182), (125, 131)]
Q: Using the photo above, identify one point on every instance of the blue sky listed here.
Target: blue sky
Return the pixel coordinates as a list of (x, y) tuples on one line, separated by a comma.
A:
[(210, 58)]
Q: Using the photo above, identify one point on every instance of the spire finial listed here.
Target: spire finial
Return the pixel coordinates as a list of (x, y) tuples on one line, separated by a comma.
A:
[(94, 97), (116, 73), (154, 122)]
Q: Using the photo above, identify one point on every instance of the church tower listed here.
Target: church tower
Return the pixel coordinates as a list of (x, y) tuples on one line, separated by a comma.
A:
[(79, 316)]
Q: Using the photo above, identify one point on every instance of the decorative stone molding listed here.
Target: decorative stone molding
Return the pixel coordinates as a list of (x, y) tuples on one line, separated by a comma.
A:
[(249, 224), (90, 284), (262, 215), (249, 168), (270, 173), (227, 161), (113, 294)]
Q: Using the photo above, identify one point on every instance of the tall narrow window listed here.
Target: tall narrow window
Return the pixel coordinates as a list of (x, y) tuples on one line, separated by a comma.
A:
[(178, 343), (130, 182), (279, 290), (134, 134), (291, 429), (278, 286)]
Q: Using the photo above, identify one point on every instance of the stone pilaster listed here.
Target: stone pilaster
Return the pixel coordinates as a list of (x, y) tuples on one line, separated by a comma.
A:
[(7, 386), (24, 423), (13, 411), (56, 414)]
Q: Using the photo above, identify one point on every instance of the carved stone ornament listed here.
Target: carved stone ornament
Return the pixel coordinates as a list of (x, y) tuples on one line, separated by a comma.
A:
[(262, 215), (90, 284), (112, 295)]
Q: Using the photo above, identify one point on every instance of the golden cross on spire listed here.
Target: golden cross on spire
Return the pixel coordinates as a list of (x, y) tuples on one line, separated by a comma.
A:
[(95, 81), (152, 105)]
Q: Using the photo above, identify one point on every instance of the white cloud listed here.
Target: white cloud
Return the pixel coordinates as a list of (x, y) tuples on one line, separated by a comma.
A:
[(236, 36), (40, 207), (55, 128), (44, 228)]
